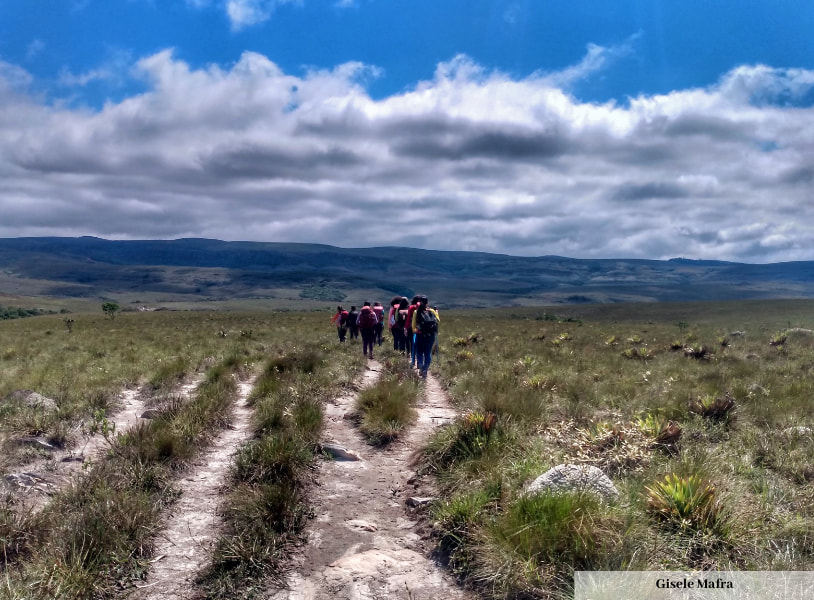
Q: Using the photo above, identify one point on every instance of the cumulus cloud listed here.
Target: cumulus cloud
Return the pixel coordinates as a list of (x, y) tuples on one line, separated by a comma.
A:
[(470, 160)]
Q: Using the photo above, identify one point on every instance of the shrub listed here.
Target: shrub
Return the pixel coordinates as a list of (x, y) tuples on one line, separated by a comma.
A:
[(779, 339)]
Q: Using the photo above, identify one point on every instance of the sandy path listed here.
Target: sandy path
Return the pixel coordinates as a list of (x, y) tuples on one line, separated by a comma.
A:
[(363, 544), (191, 531), (37, 480)]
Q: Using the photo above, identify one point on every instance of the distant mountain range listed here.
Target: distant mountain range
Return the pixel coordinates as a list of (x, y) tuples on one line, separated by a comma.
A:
[(202, 269)]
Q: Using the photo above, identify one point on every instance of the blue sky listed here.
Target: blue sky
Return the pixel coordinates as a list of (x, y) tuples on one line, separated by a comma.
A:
[(646, 129)]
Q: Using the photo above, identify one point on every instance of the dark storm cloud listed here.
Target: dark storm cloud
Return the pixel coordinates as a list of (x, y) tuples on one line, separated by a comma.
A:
[(648, 191), (277, 163)]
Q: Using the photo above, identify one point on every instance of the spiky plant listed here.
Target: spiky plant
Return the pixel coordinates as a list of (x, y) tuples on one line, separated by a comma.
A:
[(698, 352), (689, 502), (638, 352), (713, 407), (664, 433), (779, 339)]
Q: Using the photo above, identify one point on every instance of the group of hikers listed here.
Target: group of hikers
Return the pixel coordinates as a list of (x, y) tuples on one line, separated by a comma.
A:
[(412, 323)]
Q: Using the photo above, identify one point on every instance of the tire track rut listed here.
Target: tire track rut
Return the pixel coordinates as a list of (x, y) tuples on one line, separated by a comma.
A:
[(363, 545), (191, 531)]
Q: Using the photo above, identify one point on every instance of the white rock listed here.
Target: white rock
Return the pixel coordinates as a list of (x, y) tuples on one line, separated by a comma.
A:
[(579, 478)]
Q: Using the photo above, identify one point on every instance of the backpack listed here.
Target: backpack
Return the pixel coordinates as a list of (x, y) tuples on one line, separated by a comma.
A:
[(343, 318), (367, 318), (426, 323), (350, 321), (401, 318)]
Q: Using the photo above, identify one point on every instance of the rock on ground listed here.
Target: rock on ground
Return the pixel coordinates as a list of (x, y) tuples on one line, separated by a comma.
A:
[(32, 399), (579, 478)]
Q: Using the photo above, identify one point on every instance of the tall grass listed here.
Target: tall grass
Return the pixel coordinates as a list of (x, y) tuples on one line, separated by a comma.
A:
[(730, 489), (385, 409)]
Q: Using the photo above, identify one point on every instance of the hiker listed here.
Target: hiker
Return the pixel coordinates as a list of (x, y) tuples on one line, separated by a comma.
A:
[(379, 310), (425, 325), (367, 325), (391, 319), (353, 317), (410, 332), (435, 349), (340, 321), (399, 325)]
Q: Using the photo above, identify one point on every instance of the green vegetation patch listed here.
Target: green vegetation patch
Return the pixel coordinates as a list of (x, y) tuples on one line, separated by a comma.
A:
[(385, 409), (699, 413), (323, 292), (15, 312)]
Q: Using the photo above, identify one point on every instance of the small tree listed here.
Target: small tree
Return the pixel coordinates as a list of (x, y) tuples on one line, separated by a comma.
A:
[(110, 309)]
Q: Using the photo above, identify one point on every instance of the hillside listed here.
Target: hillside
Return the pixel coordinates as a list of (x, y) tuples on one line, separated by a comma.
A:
[(202, 269)]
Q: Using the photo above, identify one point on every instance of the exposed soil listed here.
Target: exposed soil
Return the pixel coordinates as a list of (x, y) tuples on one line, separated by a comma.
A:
[(192, 529), (364, 543), (36, 481)]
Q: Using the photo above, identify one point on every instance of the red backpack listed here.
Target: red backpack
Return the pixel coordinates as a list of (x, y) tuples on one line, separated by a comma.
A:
[(367, 318)]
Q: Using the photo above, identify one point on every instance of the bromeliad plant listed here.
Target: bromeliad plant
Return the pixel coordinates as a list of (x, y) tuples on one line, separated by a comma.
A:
[(477, 428), (689, 502), (663, 432), (713, 407)]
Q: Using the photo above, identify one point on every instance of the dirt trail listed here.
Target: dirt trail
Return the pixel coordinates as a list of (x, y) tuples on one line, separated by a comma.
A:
[(363, 544), (37, 480), (193, 527)]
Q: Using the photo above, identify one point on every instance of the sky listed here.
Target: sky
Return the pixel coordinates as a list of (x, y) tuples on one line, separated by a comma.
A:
[(582, 128)]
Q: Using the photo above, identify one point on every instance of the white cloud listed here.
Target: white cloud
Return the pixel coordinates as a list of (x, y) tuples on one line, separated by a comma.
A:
[(34, 49), (596, 59), (113, 70), (246, 13), (472, 159), (13, 77)]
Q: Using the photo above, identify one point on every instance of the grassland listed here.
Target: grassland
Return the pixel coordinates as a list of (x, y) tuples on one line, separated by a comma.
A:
[(94, 538), (604, 385), (625, 388)]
